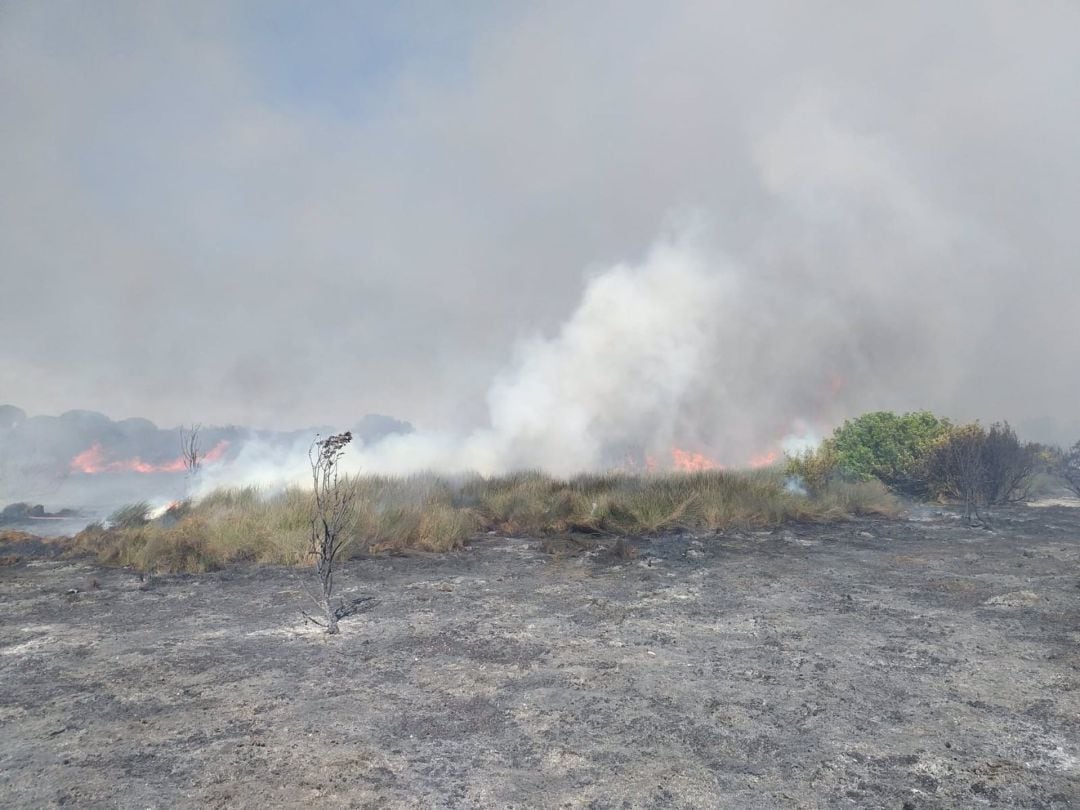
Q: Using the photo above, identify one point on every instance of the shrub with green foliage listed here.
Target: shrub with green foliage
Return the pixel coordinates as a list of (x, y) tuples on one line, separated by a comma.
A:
[(889, 447), (883, 445)]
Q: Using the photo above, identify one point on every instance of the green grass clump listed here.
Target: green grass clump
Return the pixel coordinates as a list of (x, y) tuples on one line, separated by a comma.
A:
[(434, 514)]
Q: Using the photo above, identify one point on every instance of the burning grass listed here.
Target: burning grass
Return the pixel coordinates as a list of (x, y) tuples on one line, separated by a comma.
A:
[(430, 513)]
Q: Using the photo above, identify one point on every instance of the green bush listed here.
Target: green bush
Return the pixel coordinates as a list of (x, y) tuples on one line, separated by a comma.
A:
[(889, 447)]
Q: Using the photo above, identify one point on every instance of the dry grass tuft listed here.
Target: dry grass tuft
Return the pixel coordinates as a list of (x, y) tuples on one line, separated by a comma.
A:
[(429, 513), (15, 536), (862, 498)]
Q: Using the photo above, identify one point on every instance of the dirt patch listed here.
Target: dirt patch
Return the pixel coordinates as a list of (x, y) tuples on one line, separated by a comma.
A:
[(909, 663)]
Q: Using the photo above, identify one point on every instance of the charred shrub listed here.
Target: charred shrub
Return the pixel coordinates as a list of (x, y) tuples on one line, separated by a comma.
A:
[(1068, 467), (955, 467), (981, 467), (1009, 465)]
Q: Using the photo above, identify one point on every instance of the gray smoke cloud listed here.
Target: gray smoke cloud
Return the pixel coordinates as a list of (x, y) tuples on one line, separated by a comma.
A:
[(545, 234)]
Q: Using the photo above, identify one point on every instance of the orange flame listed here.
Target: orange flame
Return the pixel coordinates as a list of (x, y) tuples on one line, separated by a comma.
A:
[(764, 459), (690, 461), (217, 452), (92, 461)]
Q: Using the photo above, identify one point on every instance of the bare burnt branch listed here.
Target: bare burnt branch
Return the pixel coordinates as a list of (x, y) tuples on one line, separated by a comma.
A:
[(190, 450), (334, 501)]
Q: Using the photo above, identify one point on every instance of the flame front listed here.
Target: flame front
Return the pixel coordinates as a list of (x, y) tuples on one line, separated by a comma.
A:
[(92, 461), (764, 459), (690, 461), (89, 461)]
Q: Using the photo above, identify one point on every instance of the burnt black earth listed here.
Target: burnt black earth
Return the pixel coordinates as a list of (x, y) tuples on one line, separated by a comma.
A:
[(909, 663)]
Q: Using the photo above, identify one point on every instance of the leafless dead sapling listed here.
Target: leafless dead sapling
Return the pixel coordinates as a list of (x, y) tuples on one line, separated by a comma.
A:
[(334, 504), (190, 450)]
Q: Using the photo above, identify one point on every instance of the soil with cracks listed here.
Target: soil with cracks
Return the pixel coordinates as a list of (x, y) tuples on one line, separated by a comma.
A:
[(911, 663)]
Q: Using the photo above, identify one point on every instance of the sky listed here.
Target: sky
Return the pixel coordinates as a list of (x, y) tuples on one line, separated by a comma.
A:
[(715, 221)]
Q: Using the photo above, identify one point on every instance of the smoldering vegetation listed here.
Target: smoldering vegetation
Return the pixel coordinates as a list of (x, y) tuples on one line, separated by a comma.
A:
[(83, 464), (868, 466), (433, 513)]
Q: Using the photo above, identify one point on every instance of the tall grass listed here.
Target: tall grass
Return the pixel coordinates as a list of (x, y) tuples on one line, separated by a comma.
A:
[(430, 513)]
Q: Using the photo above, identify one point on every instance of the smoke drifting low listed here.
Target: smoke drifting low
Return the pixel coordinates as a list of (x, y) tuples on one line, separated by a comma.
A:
[(627, 377), (560, 235), (86, 461), (618, 378), (691, 353)]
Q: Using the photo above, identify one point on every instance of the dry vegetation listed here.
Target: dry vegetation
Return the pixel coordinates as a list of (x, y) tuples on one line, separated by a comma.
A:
[(430, 513)]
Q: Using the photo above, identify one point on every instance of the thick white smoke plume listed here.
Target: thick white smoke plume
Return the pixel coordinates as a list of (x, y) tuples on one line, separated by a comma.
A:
[(629, 378), (893, 188), (840, 302), (613, 381)]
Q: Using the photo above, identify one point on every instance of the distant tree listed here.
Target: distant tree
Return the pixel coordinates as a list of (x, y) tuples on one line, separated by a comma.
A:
[(1069, 467), (190, 450), (334, 503)]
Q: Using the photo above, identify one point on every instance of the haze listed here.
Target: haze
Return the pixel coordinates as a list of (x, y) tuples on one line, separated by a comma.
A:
[(541, 231)]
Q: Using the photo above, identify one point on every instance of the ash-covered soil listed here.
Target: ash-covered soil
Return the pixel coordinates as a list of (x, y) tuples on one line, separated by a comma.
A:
[(914, 663)]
